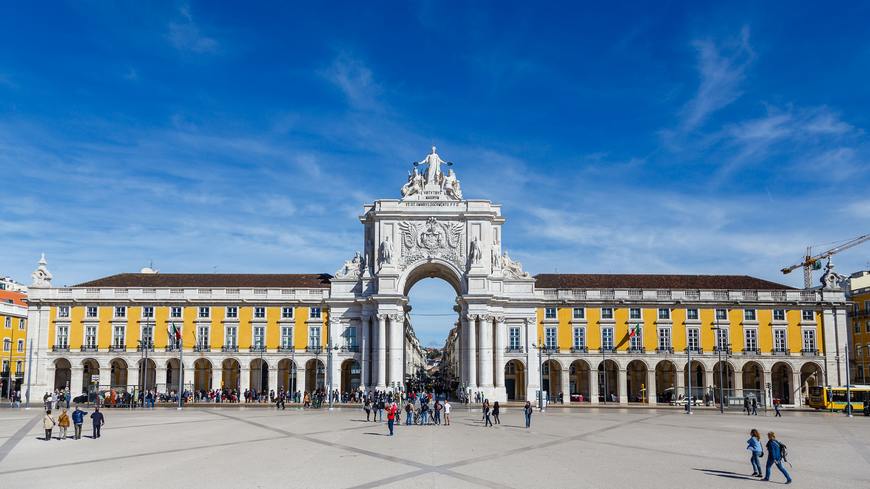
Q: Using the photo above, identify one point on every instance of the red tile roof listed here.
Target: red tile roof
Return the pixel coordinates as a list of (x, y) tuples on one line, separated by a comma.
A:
[(9, 296), (207, 280), (606, 281)]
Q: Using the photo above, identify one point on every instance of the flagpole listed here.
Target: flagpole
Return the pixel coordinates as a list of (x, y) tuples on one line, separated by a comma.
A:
[(180, 368)]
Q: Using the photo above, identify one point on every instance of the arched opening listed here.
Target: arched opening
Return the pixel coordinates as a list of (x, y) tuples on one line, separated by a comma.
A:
[(723, 376), (551, 372), (753, 381), (608, 371), (287, 375), (579, 383), (350, 376), (781, 382), (90, 371), (148, 375), (259, 376), (637, 388), (118, 379), (666, 382), (202, 375), (315, 378), (515, 380), (431, 290), (173, 375), (699, 379), (63, 375), (230, 374), (811, 376)]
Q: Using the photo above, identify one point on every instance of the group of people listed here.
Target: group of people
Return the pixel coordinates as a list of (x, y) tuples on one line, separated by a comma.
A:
[(776, 455), (78, 419)]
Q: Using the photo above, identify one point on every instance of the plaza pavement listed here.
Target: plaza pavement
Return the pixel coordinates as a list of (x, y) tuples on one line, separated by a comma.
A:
[(241, 447)]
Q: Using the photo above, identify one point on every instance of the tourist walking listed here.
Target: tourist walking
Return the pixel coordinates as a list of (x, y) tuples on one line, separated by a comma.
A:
[(447, 412), (381, 407), (754, 407), (527, 411), (409, 413), (776, 403), (746, 405), (63, 424), (99, 420), (48, 424), (487, 420), (495, 410), (367, 407), (78, 419), (775, 455), (753, 444), (438, 408), (424, 413)]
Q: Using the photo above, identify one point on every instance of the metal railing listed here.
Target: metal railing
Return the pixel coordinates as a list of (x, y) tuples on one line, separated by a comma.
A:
[(286, 349), (314, 349), (781, 351), (512, 349), (669, 350), (60, 348), (258, 349), (810, 353), (202, 348), (579, 349), (230, 348)]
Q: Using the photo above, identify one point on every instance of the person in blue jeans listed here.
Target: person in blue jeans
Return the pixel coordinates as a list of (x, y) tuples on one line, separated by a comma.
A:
[(753, 444), (409, 413), (527, 411), (774, 456)]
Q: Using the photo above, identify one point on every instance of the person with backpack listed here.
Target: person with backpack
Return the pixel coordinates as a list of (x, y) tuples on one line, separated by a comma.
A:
[(753, 444), (776, 454), (48, 424), (527, 411), (754, 407), (392, 412), (495, 411)]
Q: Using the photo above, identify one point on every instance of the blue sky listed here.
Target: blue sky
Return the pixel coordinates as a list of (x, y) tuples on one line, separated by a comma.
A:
[(672, 137)]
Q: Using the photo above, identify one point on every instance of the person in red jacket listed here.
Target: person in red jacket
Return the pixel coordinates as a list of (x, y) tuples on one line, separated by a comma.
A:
[(391, 416)]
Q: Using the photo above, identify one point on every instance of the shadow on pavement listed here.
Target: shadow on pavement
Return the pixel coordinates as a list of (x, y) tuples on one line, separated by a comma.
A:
[(726, 474)]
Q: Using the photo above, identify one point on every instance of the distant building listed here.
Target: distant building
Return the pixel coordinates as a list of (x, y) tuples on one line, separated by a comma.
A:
[(6, 283), (13, 337), (859, 325)]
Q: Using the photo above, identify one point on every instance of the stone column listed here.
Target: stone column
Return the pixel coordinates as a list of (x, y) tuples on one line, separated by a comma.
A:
[(622, 381), (738, 383), (500, 334), (244, 379), (105, 376), (134, 375), (363, 350), (651, 391), (382, 352), (397, 350), (217, 375), (565, 377), (273, 379), (160, 377), (76, 379), (768, 393), (463, 351), (533, 379), (485, 356), (796, 387), (681, 382), (593, 385), (301, 379), (472, 352)]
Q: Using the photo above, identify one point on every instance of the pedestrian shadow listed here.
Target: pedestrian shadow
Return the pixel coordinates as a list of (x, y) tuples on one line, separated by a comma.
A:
[(727, 474), (376, 434)]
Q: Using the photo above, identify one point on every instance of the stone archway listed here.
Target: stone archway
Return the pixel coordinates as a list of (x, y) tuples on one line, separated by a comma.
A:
[(579, 383), (811, 375), (202, 375), (350, 376), (259, 376), (666, 381), (230, 374), (63, 374), (636, 380), (315, 375), (173, 375), (287, 375), (551, 373), (698, 380), (753, 380), (608, 381), (118, 374), (90, 368), (726, 372), (781, 384), (148, 374), (515, 380)]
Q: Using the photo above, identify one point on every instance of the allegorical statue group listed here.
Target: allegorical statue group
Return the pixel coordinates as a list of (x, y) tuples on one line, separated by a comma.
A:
[(432, 179)]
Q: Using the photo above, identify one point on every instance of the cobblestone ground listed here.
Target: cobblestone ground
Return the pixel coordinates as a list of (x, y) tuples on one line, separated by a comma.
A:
[(245, 448)]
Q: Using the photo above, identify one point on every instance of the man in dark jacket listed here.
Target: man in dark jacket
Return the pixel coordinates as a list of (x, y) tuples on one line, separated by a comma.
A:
[(78, 419), (99, 421)]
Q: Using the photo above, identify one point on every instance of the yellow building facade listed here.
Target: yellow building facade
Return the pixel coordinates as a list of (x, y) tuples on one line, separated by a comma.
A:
[(859, 326), (13, 338)]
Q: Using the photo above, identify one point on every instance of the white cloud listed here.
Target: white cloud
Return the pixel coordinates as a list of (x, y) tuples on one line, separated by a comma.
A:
[(185, 34), (355, 80)]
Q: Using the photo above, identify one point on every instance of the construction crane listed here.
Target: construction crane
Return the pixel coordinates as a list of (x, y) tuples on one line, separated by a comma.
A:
[(813, 262)]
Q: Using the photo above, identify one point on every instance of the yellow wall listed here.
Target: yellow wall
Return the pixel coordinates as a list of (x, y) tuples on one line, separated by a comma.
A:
[(593, 328), (14, 334), (104, 331), (134, 319), (300, 329)]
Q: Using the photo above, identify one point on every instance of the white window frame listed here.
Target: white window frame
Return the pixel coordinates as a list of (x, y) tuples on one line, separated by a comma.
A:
[(636, 342), (258, 335), (286, 336), (203, 312), (315, 312), (176, 312), (608, 315), (631, 312), (7, 323), (518, 336), (750, 312), (721, 315), (693, 311), (120, 312), (232, 312), (94, 337), (231, 336), (122, 328), (812, 315), (311, 336), (607, 338), (780, 312), (551, 337), (722, 335), (203, 331), (61, 336), (62, 312), (92, 309), (579, 337), (693, 335), (809, 334), (664, 314), (783, 339), (259, 312), (284, 312), (753, 344), (21, 323), (146, 334), (350, 337), (665, 341), (550, 313), (7, 344), (147, 312)]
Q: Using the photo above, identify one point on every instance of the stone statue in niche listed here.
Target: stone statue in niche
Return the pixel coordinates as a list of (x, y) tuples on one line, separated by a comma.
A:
[(386, 250), (496, 259), (474, 252)]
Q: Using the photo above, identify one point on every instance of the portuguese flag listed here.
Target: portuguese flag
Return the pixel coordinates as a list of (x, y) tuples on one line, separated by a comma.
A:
[(174, 331), (632, 332)]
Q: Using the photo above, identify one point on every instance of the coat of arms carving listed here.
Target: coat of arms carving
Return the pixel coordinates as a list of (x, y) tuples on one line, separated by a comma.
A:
[(431, 240)]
